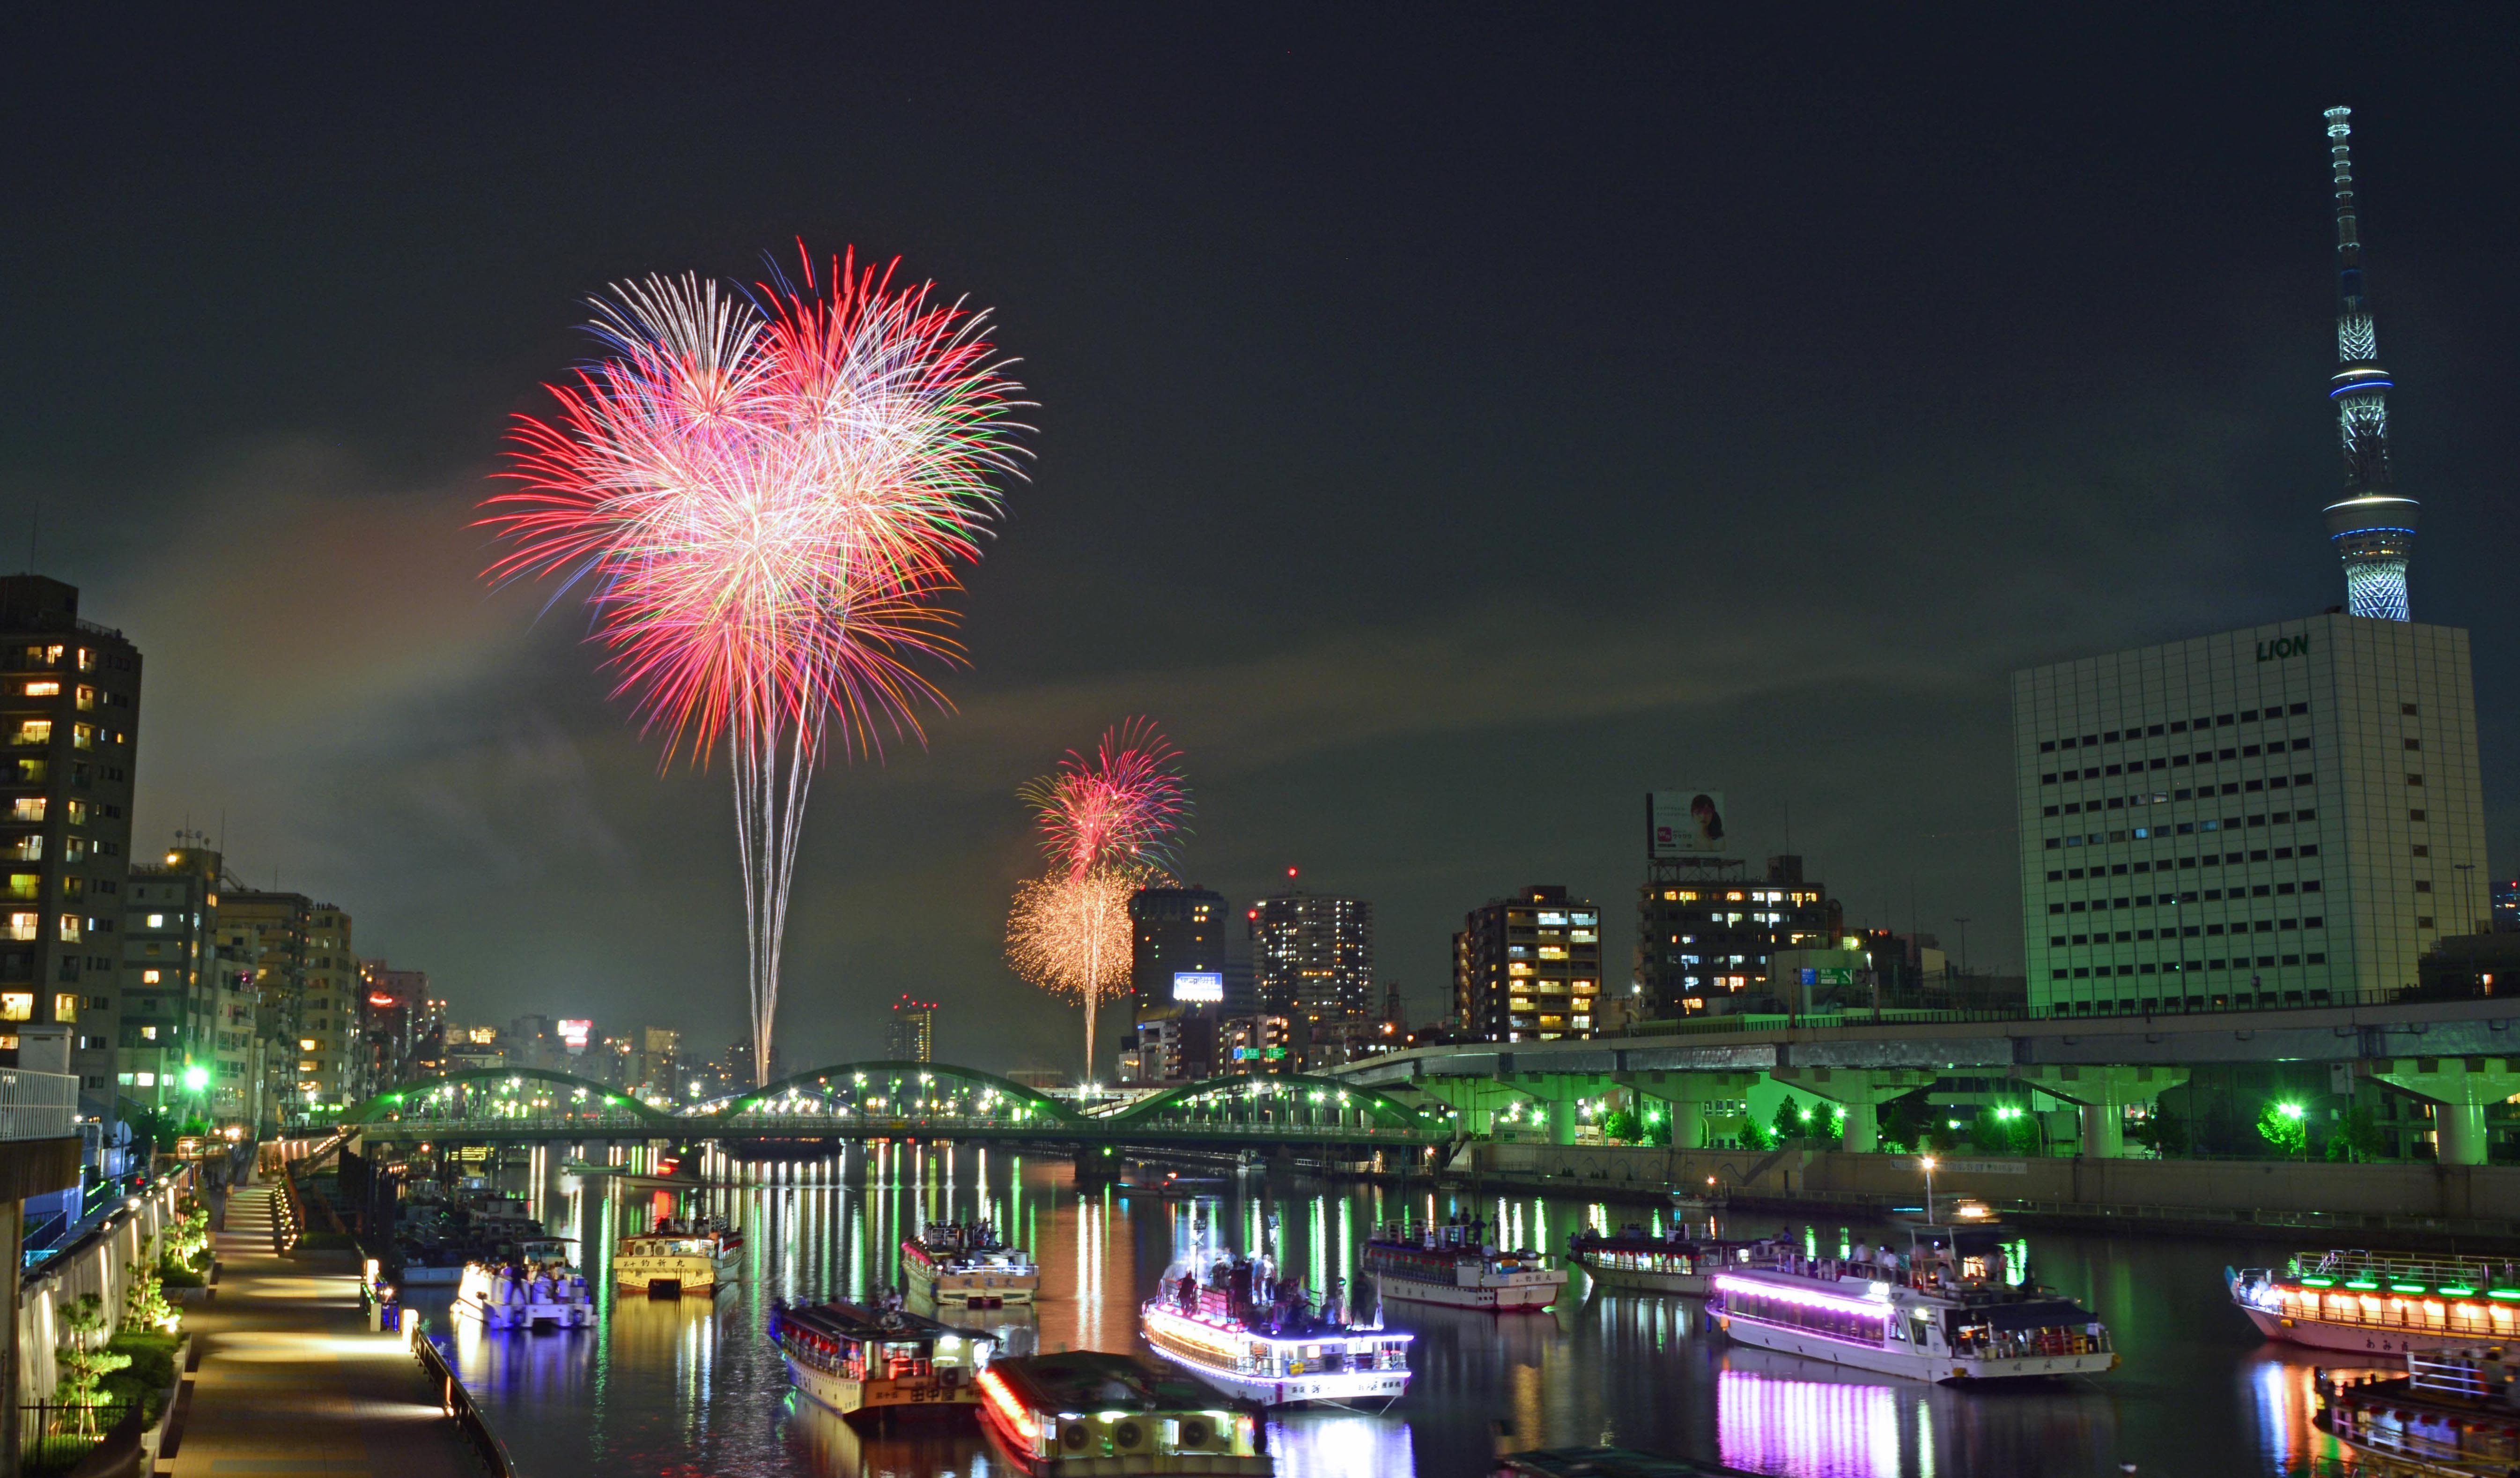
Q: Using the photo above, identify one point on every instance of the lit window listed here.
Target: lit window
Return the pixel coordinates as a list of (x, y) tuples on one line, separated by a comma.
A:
[(27, 809), (71, 932), (26, 885), (65, 1007), (149, 1034), (34, 731), (43, 690), (306, 1044), (77, 812), (86, 659), (157, 921), (86, 697), (83, 736), (17, 1005), (149, 977), (144, 1080)]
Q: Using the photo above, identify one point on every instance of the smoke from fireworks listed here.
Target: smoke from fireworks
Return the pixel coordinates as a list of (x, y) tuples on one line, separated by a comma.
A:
[(1107, 822), (765, 496)]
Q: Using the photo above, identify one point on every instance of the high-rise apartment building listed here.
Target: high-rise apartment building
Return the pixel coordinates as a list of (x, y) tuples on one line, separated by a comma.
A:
[(1313, 955), (330, 1014), (911, 1035), (2290, 814), (1706, 931), (169, 1008), (392, 1012), (268, 935), (69, 715), (1528, 968), (1177, 954)]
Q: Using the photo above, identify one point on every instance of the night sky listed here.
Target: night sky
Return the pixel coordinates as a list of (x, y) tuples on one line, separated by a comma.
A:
[(1453, 424)]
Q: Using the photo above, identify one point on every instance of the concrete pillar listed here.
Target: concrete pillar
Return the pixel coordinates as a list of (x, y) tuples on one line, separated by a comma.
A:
[(1686, 1095), (2102, 1093), (1861, 1091), (2458, 1089), (2105, 1130)]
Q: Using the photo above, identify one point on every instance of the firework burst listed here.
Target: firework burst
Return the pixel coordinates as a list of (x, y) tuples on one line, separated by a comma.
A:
[(1107, 822), (764, 497)]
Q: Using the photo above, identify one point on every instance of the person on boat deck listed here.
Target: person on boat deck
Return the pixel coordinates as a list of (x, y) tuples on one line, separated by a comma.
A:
[(1190, 1293)]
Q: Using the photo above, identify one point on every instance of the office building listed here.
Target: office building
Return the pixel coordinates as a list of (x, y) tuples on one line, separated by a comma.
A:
[(1255, 1043), (1705, 932), (1528, 967), (1313, 955), (169, 1008), (2284, 815), (393, 1017), (69, 711), (911, 1035)]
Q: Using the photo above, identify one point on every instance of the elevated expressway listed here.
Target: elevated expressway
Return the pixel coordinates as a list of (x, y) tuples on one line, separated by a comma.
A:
[(2458, 1056)]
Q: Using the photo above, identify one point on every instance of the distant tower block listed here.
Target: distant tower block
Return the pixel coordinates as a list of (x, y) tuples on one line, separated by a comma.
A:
[(2372, 526)]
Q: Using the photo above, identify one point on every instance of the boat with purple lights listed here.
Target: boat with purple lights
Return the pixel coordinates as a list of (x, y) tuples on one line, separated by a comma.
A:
[(1944, 1312)]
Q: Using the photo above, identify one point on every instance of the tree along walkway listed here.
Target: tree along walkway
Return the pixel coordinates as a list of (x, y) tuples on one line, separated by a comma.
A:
[(291, 1384)]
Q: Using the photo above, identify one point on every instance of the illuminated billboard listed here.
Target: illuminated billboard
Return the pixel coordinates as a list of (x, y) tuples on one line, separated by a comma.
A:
[(573, 1034), (1682, 824), (1199, 986)]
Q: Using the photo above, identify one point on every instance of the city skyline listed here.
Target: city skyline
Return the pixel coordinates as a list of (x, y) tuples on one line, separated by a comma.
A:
[(2068, 479)]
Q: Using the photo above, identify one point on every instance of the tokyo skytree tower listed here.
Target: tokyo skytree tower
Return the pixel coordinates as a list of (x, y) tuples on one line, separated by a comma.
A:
[(2372, 526)]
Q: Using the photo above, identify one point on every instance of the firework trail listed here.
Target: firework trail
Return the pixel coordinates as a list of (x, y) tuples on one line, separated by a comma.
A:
[(1107, 822), (764, 497)]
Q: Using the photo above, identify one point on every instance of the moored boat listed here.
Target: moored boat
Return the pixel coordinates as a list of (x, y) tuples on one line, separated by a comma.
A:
[(1453, 1263), (679, 1256), (1941, 1313), (544, 1292), (968, 1264), (1259, 1339), (1091, 1412), (854, 1359), (2444, 1411), (1636, 1259), (2382, 1303)]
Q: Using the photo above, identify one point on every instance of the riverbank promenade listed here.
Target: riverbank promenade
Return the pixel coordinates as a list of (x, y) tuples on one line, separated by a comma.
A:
[(290, 1382)]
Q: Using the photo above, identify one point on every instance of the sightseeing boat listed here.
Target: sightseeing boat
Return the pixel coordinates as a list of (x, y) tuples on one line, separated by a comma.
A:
[(2382, 1303), (1942, 1312), (681, 1256), (1258, 1339), (1091, 1412), (968, 1264), (1636, 1258), (542, 1292), (2447, 1411), (853, 1359), (1454, 1264)]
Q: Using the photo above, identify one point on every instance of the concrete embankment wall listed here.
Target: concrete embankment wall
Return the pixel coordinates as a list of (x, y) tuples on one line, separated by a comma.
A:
[(2218, 1187), (103, 1261)]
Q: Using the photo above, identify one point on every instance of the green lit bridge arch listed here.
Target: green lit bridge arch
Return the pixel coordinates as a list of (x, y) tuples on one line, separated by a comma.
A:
[(873, 1100)]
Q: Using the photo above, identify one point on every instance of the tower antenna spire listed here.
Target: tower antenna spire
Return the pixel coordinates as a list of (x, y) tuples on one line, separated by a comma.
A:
[(2372, 526)]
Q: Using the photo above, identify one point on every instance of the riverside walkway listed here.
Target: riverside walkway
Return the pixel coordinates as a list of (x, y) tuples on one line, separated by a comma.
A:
[(291, 1384)]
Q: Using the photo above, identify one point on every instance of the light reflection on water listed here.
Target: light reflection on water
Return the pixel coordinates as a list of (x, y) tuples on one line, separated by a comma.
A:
[(683, 1388)]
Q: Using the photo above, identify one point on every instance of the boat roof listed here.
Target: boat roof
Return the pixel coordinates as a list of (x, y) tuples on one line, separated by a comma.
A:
[(841, 1320), (1100, 1380)]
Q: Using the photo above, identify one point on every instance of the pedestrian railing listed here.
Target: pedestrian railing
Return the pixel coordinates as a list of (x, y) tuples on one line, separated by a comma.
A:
[(52, 1436), (457, 1402)]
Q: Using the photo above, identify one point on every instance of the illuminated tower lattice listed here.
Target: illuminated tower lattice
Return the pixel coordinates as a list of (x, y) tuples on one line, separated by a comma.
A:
[(2372, 526)]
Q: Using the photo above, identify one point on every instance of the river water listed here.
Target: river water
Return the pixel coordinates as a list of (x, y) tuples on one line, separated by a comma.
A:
[(692, 1387)]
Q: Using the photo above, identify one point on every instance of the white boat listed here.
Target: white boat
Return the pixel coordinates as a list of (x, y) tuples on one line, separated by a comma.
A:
[(679, 1256), (1633, 1259), (968, 1265), (542, 1292), (2370, 1303), (1454, 1264), (1089, 1413), (1943, 1312), (1259, 1340), (853, 1359)]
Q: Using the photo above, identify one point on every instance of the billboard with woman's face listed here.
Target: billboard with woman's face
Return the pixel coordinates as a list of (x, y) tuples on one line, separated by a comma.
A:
[(1682, 823)]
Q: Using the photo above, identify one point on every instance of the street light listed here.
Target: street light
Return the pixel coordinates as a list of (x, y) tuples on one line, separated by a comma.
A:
[(1927, 1161)]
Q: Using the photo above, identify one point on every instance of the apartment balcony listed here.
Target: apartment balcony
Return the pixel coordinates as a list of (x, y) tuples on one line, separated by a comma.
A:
[(38, 1105)]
